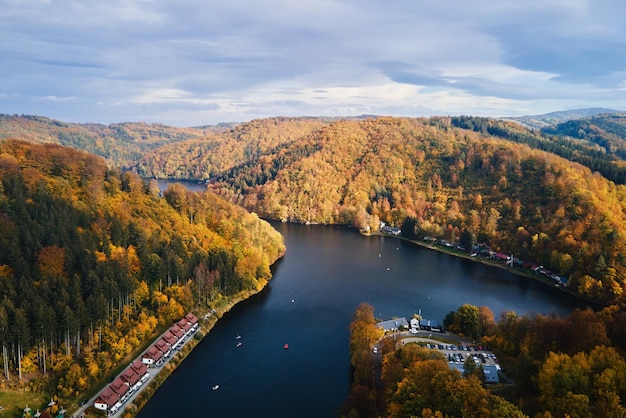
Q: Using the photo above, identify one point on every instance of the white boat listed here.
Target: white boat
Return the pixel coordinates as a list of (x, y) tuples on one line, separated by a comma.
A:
[(239, 344), (238, 337), (216, 387)]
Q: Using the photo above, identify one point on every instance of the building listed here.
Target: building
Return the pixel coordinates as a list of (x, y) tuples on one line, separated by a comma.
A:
[(141, 370), (491, 373), (152, 357), (394, 324), (107, 399)]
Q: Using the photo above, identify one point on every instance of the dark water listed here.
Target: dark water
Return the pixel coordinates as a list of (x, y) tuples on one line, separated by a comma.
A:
[(327, 272)]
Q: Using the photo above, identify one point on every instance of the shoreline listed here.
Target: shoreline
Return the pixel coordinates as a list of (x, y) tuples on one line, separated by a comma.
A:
[(207, 319), (513, 270), (206, 324)]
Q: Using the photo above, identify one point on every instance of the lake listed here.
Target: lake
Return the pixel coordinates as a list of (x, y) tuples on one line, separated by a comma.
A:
[(326, 272)]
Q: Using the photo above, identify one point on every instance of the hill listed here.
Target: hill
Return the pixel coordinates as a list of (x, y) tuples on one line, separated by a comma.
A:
[(93, 262), (553, 200), (120, 144), (553, 118), (439, 180), (207, 157), (607, 132)]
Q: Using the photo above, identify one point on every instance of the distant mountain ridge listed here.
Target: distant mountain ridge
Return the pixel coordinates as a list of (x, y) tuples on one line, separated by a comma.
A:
[(553, 118)]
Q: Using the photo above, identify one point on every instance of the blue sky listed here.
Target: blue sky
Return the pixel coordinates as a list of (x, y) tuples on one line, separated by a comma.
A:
[(193, 62)]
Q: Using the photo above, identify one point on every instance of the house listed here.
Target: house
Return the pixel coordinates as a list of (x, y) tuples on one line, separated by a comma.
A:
[(164, 347), (394, 324), (170, 338), (415, 325), (141, 369), (430, 325), (491, 373), (131, 378), (501, 256), (185, 325), (120, 387), (191, 318), (152, 357), (457, 366), (107, 399), (177, 331), (391, 230)]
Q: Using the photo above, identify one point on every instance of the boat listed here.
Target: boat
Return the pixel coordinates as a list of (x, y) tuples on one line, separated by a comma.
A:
[(239, 344), (238, 337), (292, 300), (286, 346), (216, 387)]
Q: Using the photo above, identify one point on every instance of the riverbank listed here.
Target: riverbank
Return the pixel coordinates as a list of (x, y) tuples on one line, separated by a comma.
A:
[(207, 320), (493, 263)]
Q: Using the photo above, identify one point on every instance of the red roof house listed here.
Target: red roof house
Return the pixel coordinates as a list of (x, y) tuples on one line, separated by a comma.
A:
[(119, 386), (107, 399), (130, 376), (139, 368)]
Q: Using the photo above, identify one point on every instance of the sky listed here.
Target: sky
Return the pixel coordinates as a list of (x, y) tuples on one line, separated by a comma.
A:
[(199, 62)]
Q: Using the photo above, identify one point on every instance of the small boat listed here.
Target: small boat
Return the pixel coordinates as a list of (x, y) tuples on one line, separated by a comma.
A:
[(286, 346), (388, 269), (238, 337), (239, 344), (292, 300), (216, 387)]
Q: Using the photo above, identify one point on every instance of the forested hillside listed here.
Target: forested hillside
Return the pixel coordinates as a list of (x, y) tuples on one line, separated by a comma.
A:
[(120, 144), (554, 118), (93, 261), (607, 132), (553, 199), (202, 159), (444, 181)]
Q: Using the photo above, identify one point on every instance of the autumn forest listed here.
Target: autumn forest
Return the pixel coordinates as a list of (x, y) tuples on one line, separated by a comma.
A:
[(95, 259)]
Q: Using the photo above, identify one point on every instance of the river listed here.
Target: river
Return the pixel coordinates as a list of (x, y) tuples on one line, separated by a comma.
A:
[(326, 272)]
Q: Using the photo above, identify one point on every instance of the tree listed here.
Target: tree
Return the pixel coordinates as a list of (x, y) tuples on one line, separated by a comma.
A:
[(466, 321), (486, 322)]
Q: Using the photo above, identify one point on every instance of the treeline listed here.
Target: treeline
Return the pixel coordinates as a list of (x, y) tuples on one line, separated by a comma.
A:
[(603, 152), (93, 262), (557, 367), (607, 131), (572, 366), (121, 144)]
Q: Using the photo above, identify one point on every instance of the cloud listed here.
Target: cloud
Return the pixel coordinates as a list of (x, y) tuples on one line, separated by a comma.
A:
[(193, 62)]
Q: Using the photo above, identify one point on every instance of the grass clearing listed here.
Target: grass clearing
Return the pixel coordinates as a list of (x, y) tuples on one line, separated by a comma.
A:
[(14, 402)]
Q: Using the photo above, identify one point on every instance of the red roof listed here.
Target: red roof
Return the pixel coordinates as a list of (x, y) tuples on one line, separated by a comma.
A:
[(108, 397), (177, 331), (191, 318), (170, 337), (139, 368), (184, 324), (119, 386), (153, 353), (162, 345), (130, 376)]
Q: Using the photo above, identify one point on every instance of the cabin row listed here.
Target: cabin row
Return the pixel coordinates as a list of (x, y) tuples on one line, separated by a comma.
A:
[(124, 385), (172, 340), (134, 376)]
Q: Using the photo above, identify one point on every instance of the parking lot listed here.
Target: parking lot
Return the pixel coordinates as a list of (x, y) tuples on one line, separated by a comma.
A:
[(456, 353)]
